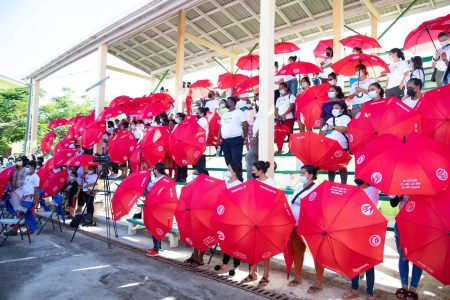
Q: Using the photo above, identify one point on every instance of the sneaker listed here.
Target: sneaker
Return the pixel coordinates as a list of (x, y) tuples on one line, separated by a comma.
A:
[(11, 232), (152, 252)]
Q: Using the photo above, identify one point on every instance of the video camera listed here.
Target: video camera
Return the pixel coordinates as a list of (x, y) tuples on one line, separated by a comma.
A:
[(103, 159)]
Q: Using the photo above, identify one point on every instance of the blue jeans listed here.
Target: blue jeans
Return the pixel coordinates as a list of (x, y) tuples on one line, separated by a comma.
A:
[(370, 280), (156, 244), (232, 150), (293, 86), (403, 265)]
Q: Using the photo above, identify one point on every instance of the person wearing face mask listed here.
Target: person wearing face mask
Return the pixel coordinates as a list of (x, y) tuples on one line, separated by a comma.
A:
[(138, 134), (203, 122), (307, 185), (181, 171), (278, 80), (231, 180), (250, 115), (441, 56), (414, 92), (10, 162), (399, 72), (327, 63), (332, 79), (335, 95), (72, 192), (291, 80), (417, 71), (17, 181), (222, 108), (335, 128), (284, 109), (89, 182), (375, 91), (358, 90), (213, 102)]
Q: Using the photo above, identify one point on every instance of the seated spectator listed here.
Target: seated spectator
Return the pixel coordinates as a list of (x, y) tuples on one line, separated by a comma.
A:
[(335, 95), (359, 89), (414, 92)]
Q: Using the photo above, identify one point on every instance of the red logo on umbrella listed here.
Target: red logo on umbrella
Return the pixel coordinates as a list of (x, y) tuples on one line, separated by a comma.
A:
[(375, 240), (220, 210), (376, 177), (366, 209), (313, 196), (441, 174), (220, 235), (410, 206)]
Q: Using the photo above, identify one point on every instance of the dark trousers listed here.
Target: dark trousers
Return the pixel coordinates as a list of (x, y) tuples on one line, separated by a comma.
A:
[(395, 91), (226, 260), (89, 200), (342, 173), (232, 150), (201, 163), (182, 172), (156, 244)]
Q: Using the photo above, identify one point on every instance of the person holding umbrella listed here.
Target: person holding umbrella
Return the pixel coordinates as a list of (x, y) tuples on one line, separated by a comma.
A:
[(399, 71), (328, 62), (375, 91), (440, 56), (359, 89), (284, 108)]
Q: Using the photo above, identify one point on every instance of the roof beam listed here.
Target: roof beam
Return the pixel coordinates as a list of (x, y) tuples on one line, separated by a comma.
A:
[(371, 8), (127, 72), (207, 44)]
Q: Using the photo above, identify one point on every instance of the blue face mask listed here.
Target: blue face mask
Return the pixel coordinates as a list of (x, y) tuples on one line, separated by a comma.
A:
[(331, 95), (282, 92), (444, 43)]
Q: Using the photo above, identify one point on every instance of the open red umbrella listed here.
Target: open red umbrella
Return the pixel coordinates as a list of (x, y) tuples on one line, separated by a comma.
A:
[(309, 104), (120, 100), (71, 134), (281, 131), (82, 124), (429, 250), (155, 144), (435, 112), (375, 118), (213, 127), (121, 146), (136, 159), (285, 47), (248, 62), (230, 81), (317, 150), (253, 221), (346, 66), (75, 119), (246, 85), (427, 32), (63, 144), (159, 207), (321, 48), (45, 170), (82, 160), (299, 67), (128, 193), (187, 143), (5, 176), (92, 134), (416, 165), (160, 97), (53, 183), (343, 228), (60, 158), (195, 209), (47, 142), (200, 88), (58, 123), (109, 113), (153, 109), (360, 41)]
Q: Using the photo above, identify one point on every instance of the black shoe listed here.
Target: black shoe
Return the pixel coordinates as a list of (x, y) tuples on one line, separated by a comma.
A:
[(217, 267), (232, 272)]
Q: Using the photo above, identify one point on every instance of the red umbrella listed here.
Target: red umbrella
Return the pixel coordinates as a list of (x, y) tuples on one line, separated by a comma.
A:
[(136, 159), (213, 127), (230, 80), (54, 183), (187, 143), (160, 97), (195, 209), (309, 104), (288, 255), (121, 146), (159, 209), (109, 113), (75, 119), (429, 250), (281, 131), (417, 165), (128, 193), (299, 67), (246, 85), (92, 134), (346, 66), (61, 157), (285, 47), (121, 100), (45, 170), (71, 134), (200, 88), (155, 144), (436, 114), (153, 109), (317, 150), (375, 118), (360, 41), (5, 176), (427, 32), (57, 123), (248, 62), (82, 124), (63, 144), (343, 228), (321, 48), (47, 142), (82, 160), (253, 221)]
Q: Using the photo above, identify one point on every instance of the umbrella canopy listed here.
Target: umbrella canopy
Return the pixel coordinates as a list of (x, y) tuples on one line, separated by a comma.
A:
[(128, 193), (81, 160), (428, 215), (285, 47), (83, 123), (75, 119), (246, 85), (45, 170), (121, 100), (121, 146), (58, 123), (346, 66), (361, 41), (92, 134), (61, 157), (159, 97), (427, 32), (309, 104), (71, 134), (5, 176), (213, 127), (248, 62), (109, 113), (281, 131), (375, 118), (317, 150), (417, 165), (195, 209), (435, 111), (63, 144), (155, 144), (159, 207), (299, 67), (250, 212), (187, 143), (153, 109), (47, 142), (200, 88), (230, 81), (321, 48), (54, 183), (343, 228)]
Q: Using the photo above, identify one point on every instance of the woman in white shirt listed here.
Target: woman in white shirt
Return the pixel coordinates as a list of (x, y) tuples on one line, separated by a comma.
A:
[(203, 122), (284, 109), (327, 63), (414, 92), (259, 170), (375, 91), (335, 128), (416, 65), (359, 89), (231, 180), (291, 80), (399, 72), (89, 182), (278, 79)]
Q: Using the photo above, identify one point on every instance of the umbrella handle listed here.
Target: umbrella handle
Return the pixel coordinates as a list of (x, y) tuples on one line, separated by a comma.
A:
[(429, 34)]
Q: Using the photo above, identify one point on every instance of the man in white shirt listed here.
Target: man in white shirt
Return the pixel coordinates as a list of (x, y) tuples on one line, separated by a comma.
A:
[(284, 109), (242, 101), (414, 91), (213, 102), (233, 131), (441, 55)]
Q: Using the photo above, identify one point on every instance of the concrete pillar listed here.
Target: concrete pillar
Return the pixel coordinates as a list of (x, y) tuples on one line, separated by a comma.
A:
[(35, 116), (373, 26), (180, 62), (266, 80), (101, 89), (338, 28)]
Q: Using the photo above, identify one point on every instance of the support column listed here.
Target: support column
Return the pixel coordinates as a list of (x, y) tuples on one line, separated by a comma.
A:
[(266, 80), (232, 62), (101, 89), (35, 116), (338, 28), (180, 62), (373, 26)]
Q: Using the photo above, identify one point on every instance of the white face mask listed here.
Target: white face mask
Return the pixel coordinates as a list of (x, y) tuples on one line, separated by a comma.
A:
[(331, 95), (332, 82), (372, 94), (194, 176), (444, 43), (303, 179), (282, 92), (222, 105), (27, 170), (227, 175), (177, 120), (335, 112), (304, 85), (358, 74), (249, 106), (90, 172)]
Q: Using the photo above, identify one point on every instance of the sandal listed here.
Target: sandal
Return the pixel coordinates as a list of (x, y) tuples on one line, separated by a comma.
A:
[(189, 260), (401, 293), (350, 294), (314, 289), (370, 298), (220, 267), (263, 282), (294, 282), (248, 279), (411, 295)]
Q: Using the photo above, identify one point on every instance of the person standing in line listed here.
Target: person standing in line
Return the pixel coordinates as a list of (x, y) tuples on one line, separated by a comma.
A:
[(291, 80), (203, 122), (399, 72), (441, 57), (284, 109)]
